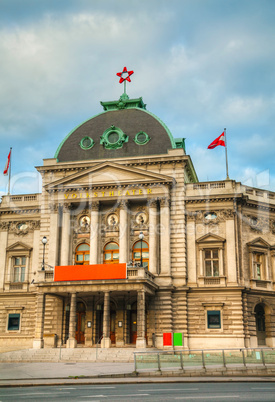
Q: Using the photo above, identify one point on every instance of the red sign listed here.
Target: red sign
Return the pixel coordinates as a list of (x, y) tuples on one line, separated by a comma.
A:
[(167, 339), (90, 272)]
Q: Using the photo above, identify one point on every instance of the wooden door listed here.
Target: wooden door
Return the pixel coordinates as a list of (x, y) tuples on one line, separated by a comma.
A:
[(80, 327)]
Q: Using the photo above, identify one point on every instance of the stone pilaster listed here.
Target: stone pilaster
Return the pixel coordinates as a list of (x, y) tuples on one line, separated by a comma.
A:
[(53, 235), (3, 246), (153, 236), (65, 237), (38, 342), (106, 341), (71, 342), (141, 324), (165, 259), (123, 233), (94, 232)]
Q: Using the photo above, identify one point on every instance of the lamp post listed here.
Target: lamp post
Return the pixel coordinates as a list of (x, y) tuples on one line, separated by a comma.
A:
[(44, 242), (141, 237)]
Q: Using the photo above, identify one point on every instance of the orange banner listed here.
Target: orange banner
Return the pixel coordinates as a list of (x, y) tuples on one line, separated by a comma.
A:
[(90, 272)]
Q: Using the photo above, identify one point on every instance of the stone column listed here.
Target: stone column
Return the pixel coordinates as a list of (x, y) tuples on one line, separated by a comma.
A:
[(231, 252), (38, 342), (94, 232), (65, 238), (71, 342), (53, 235), (106, 341), (153, 236), (123, 232), (3, 246), (165, 260), (141, 324)]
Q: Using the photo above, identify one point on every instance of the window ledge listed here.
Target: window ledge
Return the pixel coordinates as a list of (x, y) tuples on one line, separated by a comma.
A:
[(261, 283), (211, 280)]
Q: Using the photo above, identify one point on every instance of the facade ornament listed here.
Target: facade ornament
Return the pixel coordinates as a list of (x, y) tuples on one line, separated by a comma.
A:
[(53, 207), (67, 207), (4, 225), (164, 202), (152, 202), (93, 206)]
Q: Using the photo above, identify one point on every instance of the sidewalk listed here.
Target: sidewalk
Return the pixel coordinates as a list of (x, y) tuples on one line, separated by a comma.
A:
[(31, 374)]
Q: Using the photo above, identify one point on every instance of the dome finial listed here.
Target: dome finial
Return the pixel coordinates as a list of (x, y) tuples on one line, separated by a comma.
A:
[(125, 76)]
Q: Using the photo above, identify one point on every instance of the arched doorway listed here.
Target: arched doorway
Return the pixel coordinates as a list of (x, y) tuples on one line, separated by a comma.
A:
[(82, 254), (260, 324), (111, 253), (138, 248), (80, 323)]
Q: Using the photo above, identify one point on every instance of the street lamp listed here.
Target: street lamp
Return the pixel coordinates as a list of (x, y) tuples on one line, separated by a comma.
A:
[(44, 242), (141, 237)]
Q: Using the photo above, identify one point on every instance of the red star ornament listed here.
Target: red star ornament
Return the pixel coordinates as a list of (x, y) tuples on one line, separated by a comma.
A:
[(123, 77)]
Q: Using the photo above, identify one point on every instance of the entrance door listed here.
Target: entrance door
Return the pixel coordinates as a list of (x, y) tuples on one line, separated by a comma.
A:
[(133, 326), (113, 326), (80, 327), (80, 322), (260, 324)]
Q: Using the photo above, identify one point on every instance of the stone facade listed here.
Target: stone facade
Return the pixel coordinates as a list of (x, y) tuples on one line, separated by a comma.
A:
[(208, 268)]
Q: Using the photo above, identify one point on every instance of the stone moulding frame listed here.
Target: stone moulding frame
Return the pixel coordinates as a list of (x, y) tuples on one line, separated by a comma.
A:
[(121, 138)]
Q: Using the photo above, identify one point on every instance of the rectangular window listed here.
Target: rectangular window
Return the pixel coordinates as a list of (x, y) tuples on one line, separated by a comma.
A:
[(13, 322), (19, 269), (213, 319), (211, 261), (259, 266)]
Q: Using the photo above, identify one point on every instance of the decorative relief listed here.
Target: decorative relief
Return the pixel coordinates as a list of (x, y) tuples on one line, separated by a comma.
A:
[(152, 202), (4, 225), (140, 220), (258, 224), (212, 217), (112, 220), (22, 228)]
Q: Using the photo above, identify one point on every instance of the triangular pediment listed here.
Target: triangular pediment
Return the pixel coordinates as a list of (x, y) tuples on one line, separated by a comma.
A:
[(111, 174), (259, 242), (210, 238), (19, 246)]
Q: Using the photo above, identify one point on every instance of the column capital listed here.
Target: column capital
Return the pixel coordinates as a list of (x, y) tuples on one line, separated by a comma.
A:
[(53, 206), (67, 207), (164, 202), (152, 202), (94, 205), (124, 204)]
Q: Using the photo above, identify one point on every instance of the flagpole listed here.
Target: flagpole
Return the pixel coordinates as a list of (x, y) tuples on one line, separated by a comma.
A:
[(226, 160), (9, 175)]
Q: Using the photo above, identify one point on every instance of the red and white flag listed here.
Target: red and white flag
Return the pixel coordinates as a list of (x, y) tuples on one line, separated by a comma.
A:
[(218, 141), (7, 164)]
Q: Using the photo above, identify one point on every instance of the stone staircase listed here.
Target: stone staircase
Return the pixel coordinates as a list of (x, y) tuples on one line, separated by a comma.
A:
[(117, 355)]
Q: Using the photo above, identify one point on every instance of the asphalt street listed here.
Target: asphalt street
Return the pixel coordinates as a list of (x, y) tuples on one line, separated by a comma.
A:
[(260, 392)]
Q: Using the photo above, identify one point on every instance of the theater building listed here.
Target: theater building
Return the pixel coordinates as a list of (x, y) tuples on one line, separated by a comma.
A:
[(124, 245)]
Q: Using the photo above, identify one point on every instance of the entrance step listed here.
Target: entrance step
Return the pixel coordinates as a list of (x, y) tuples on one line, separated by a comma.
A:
[(116, 355)]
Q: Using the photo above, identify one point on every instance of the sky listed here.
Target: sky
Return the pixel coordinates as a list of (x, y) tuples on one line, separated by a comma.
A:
[(200, 66)]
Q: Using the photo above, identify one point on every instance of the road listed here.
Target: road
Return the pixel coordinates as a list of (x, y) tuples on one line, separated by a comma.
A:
[(145, 392)]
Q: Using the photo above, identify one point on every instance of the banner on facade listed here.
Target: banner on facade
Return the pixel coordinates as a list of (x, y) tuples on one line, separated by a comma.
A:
[(90, 272)]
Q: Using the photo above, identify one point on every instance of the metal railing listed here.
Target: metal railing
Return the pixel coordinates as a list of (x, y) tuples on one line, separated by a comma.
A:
[(203, 359)]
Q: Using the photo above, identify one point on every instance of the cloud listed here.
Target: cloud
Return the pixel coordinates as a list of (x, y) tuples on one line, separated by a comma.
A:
[(200, 66)]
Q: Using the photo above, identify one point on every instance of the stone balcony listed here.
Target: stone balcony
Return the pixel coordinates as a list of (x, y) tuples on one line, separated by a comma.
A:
[(133, 273)]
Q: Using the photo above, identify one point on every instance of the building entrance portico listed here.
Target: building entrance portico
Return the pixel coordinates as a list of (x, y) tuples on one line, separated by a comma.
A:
[(92, 314)]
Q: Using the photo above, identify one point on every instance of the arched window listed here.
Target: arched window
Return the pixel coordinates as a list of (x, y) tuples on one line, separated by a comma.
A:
[(137, 249), (111, 253), (82, 254)]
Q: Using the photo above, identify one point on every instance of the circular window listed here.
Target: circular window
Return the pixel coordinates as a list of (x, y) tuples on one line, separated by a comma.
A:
[(210, 215), (86, 143), (113, 137), (141, 138), (22, 226)]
